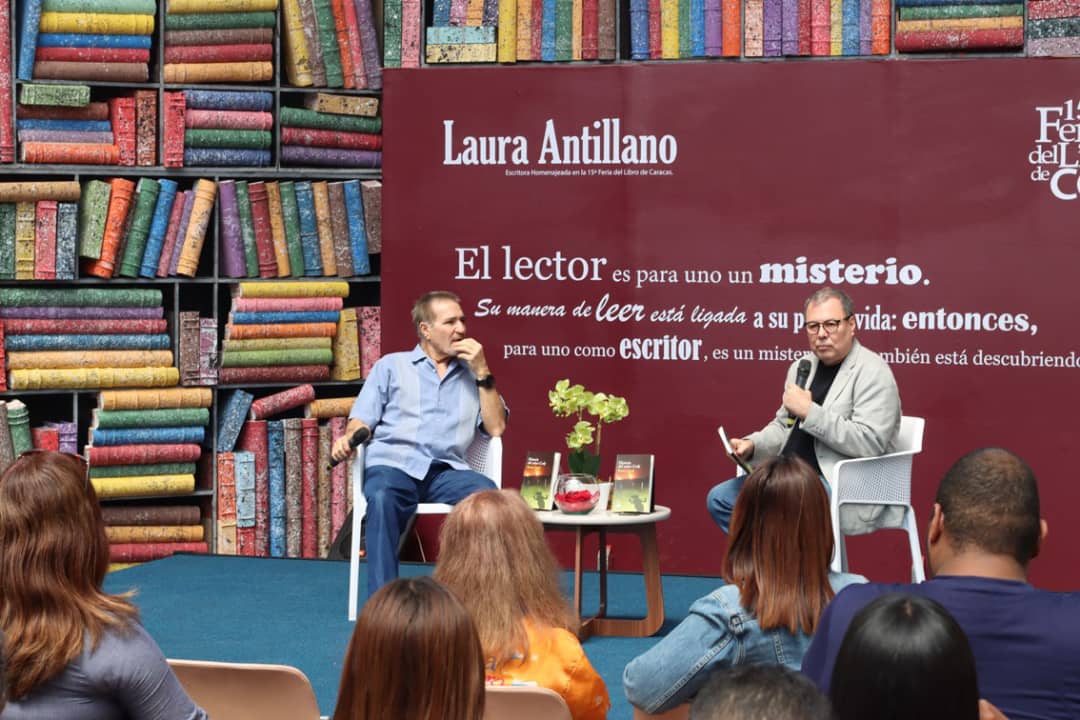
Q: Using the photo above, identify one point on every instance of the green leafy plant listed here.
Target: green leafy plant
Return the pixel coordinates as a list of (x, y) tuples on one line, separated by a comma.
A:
[(568, 400)]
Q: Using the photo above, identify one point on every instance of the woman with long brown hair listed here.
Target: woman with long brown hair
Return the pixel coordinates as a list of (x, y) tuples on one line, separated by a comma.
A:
[(414, 655), (778, 583), (71, 650), (493, 556)]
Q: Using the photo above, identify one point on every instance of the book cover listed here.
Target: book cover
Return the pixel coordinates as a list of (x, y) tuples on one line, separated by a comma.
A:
[(633, 484), (743, 465), (275, 433), (539, 478)]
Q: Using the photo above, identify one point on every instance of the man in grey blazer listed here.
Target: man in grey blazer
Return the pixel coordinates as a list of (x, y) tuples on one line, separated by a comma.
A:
[(850, 408)]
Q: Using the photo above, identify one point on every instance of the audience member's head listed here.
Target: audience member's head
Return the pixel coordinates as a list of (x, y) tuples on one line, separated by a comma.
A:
[(780, 545), (492, 554), (760, 692), (987, 503), (53, 560), (904, 657), (413, 654)]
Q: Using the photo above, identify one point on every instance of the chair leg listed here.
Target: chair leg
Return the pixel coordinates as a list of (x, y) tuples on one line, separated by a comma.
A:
[(354, 560), (839, 561), (918, 574)]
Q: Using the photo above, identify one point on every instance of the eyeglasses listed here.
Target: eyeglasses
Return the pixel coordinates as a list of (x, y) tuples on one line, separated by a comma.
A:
[(39, 451), (831, 326)]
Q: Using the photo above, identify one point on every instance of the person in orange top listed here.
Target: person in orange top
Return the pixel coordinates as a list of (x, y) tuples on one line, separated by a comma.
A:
[(493, 557)]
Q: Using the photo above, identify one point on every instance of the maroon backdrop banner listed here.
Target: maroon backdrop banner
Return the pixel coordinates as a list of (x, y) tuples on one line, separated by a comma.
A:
[(652, 232)]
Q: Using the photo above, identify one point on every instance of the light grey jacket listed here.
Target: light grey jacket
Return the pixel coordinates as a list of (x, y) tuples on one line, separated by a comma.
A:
[(859, 418)]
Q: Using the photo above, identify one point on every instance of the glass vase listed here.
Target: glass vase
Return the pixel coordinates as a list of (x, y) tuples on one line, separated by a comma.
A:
[(577, 493)]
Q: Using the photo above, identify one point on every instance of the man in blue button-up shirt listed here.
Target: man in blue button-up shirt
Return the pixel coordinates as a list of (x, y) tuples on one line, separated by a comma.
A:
[(423, 408)]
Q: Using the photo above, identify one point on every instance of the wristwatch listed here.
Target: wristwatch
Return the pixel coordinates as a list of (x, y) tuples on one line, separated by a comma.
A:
[(488, 381)]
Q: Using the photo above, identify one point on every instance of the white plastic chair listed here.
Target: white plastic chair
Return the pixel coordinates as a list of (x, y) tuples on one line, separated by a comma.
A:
[(884, 480), (524, 703), (484, 456)]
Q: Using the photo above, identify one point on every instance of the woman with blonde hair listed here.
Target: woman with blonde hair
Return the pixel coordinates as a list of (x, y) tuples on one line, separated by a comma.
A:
[(71, 650), (493, 556), (778, 583), (414, 655)]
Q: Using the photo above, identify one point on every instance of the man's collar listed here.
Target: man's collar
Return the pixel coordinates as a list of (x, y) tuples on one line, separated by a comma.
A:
[(418, 355)]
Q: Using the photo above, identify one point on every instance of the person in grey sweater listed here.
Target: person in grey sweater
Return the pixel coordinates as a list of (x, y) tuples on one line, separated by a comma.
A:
[(71, 650)]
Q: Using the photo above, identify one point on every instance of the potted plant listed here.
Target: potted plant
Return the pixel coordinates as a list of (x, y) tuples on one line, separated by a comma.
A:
[(568, 400)]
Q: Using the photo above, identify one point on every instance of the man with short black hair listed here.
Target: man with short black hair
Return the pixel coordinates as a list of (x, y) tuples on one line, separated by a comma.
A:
[(423, 409), (760, 692), (848, 407), (984, 530)]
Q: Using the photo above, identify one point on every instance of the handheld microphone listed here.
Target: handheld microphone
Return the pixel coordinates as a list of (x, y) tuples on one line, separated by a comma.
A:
[(358, 438), (802, 374)]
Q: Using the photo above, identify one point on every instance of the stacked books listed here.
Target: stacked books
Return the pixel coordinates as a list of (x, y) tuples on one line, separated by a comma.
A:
[(295, 503), (38, 221), (303, 228), (227, 128), (307, 137), (946, 25), (812, 27), (212, 41), (332, 43), (148, 228), (85, 338), (59, 436), (7, 125), (295, 322), (463, 32), (85, 40), (1053, 28), (147, 443), (197, 351), (547, 30), (15, 436), (60, 124)]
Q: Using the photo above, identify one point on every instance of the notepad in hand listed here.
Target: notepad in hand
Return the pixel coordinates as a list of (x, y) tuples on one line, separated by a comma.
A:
[(742, 464)]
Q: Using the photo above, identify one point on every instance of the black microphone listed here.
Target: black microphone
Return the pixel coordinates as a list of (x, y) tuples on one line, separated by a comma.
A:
[(360, 437), (802, 374)]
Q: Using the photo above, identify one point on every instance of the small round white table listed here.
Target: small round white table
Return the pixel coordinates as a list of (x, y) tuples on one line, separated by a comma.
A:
[(644, 526)]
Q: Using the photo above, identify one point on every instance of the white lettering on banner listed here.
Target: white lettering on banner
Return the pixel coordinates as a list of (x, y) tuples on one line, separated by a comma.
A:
[(474, 263), (1056, 155), (836, 272), (601, 142)]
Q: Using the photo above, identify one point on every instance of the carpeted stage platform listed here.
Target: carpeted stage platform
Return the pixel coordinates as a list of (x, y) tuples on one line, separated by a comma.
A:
[(293, 612)]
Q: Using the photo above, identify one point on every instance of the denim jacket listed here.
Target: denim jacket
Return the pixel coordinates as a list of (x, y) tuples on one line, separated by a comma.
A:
[(718, 632)]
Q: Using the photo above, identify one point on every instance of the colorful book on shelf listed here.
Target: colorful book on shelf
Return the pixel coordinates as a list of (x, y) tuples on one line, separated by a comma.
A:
[(45, 438), (156, 399), (247, 229), (141, 454), (172, 233), (326, 408), (231, 419), (339, 228), (370, 337), (321, 198), (632, 491), (354, 207), (7, 451), (538, 479), (138, 230), (154, 515), (275, 432), (294, 492), (371, 194), (18, 419), (45, 240), (339, 480), (346, 352), (7, 125), (260, 222), (274, 374), (229, 232), (143, 485), (253, 438), (277, 229), (226, 504), (159, 225), (282, 401), (66, 240), (120, 195), (323, 516), (290, 216), (154, 533), (309, 229), (144, 552), (244, 463), (309, 472)]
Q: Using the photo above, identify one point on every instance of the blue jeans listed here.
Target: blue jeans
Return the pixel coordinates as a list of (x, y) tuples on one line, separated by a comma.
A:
[(722, 497), (392, 497)]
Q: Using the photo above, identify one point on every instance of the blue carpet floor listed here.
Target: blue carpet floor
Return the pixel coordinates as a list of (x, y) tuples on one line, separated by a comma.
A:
[(293, 612)]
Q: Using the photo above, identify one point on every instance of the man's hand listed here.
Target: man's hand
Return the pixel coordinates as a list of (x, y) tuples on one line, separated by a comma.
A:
[(341, 448), (472, 353), (797, 401), (743, 447)]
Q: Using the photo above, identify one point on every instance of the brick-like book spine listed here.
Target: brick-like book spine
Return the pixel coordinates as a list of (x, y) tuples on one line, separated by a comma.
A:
[(45, 240), (310, 28), (93, 209), (104, 437), (122, 119), (302, 117), (176, 216), (231, 419), (7, 124), (7, 242), (253, 439), (249, 52), (330, 157), (275, 374), (341, 36), (287, 304), (369, 43), (232, 245), (146, 127), (18, 418), (277, 229), (247, 229), (155, 399), (92, 55), (282, 401), (309, 229), (371, 193), (143, 454), (326, 408), (69, 153), (142, 214), (339, 226), (226, 503), (356, 54), (323, 517), (260, 223), (230, 157), (7, 451), (245, 502), (175, 417), (362, 105), (45, 438), (327, 38), (221, 20), (201, 212), (90, 111), (153, 533), (275, 443), (370, 338), (285, 289), (321, 197), (339, 477), (83, 297), (60, 359), (215, 72), (309, 475), (93, 378), (346, 348), (173, 145), (228, 119), (227, 36), (155, 515), (290, 215), (144, 552), (299, 343), (188, 347), (73, 326), (29, 25), (297, 57), (354, 207), (67, 223), (294, 492), (267, 358)]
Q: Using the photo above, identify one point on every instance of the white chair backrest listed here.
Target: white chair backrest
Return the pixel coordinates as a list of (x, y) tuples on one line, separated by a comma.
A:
[(911, 433), (524, 703), (247, 691), (485, 457)]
